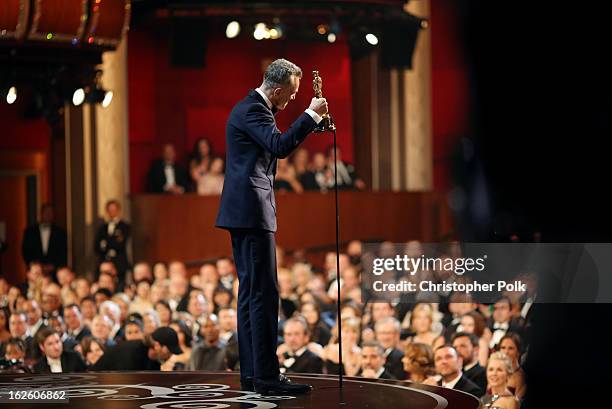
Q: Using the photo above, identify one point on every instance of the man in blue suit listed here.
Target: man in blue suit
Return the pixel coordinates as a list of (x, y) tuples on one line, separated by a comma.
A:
[(248, 211)]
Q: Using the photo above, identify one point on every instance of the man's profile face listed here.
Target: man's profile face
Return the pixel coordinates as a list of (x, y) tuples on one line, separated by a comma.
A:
[(286, 93)]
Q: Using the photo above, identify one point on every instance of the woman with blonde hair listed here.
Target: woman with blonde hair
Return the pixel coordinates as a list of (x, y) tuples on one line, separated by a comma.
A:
[(499, 370), (418, 362), (421, 322), (351, 353)]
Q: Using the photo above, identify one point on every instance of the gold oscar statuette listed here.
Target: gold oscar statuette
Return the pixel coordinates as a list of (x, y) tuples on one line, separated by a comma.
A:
[(327, 124)]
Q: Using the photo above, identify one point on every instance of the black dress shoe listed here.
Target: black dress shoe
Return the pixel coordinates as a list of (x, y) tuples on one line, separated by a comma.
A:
[(246, 384), (281, 384)]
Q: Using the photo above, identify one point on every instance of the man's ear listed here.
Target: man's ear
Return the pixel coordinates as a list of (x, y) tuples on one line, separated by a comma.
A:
[(276, 91)]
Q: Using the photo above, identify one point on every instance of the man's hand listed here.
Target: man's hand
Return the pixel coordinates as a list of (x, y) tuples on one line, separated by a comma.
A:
[(319, 105)]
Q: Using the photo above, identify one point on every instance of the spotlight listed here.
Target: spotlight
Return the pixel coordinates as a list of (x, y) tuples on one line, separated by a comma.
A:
[(108, 98), (371, 39), (78, 97), (275, 33), (260, 31), (232, 30), (331, 37), (322, 29), (11, 95)]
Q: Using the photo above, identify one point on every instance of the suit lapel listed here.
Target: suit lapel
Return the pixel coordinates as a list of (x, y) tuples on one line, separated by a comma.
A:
[(258, 97)]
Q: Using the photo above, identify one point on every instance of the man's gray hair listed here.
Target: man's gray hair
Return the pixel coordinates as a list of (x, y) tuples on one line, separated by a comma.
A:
[(279, 73)]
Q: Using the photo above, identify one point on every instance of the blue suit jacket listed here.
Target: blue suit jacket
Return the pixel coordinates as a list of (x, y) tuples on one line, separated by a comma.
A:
[(253, 145)]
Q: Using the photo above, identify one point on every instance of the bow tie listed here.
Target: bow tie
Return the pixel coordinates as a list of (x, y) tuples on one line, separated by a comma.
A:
[(501, 325)]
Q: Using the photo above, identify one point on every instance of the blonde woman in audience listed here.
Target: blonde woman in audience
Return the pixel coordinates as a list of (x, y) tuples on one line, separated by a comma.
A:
[(510, 345), (418, 362), (474, 323), (179, 362), (421, 322), (351, 353), (499, 371)]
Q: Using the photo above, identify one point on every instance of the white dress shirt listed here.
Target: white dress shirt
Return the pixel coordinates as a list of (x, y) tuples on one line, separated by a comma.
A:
[(45, 235), (452, 383), (55, 364), (170, 179)]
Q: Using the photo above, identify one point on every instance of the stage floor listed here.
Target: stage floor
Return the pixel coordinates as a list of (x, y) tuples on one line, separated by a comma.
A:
[(216, 390)]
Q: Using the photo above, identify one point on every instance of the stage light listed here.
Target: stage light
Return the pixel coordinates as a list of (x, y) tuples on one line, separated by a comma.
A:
[(108, 98), (322, 29), (11, 95), (331, 37), (261, 31), (275, 33), (78, 97), (371, 39), (232, 30)]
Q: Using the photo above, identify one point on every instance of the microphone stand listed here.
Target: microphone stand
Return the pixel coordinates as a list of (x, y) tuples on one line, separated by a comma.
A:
[(327, 125)]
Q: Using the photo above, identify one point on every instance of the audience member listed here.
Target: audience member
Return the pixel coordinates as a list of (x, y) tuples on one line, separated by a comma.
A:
[(209, 353), (167, 176), (418, 362), (448, 364), (372, 362), (499, 370), (293, 354), (45, 242), (54, 358), (466, 346)]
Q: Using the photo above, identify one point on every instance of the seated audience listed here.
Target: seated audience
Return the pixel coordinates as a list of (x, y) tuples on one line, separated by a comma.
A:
[(499, 370), (134, 330), (54, 359), (141, 355), (167, 176), (179, 362), (418, 362), (448, 364), (92, 350), (211, 182), (372, 362), (293, 354), (208, 354), (467, 347), (510, 345), (388, 335)]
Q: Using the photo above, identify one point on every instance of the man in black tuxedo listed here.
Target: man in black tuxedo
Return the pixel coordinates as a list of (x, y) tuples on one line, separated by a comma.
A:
[(388, 334), (448, 365), (75, 327), (372, 362), (467, 347), (45, 242), (167, 176), (55, 359), (502, 322), (248, 211), (293, 354), (111, 240)]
